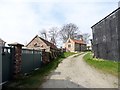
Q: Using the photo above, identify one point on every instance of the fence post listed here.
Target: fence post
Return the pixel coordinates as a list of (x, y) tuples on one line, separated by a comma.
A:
[(43, 56), (17, 58)]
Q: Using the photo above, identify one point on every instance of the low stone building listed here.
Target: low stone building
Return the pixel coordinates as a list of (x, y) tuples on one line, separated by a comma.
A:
[(106, 37), (39, 43), (73, 45)]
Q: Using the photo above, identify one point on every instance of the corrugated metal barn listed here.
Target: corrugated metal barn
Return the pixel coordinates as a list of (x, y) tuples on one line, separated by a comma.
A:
[(106, 37)]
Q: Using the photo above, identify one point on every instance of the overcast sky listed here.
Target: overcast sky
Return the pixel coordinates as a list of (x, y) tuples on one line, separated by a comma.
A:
[(21, 20)]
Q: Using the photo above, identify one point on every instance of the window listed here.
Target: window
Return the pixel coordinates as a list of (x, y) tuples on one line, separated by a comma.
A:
[(69, 46), (41, 45), (36, 45), (69, 41)]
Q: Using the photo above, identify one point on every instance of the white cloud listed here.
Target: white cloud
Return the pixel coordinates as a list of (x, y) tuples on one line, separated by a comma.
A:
[(86, 14), (16, 20), (20, 20), (20, 23)]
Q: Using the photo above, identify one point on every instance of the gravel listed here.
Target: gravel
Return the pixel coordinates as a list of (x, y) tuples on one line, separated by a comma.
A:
[(74, 72)]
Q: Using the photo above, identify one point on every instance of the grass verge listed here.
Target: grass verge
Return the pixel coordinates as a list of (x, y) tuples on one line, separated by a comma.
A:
[(79, 54), (108, 66), (35, 79)]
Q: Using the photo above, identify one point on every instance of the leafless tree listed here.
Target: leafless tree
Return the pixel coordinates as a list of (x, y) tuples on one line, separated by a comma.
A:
[(69, 31), (78, 37), (86, 37), (53, 33)]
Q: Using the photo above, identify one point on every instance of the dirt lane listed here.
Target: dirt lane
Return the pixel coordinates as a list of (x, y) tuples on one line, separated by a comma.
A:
[(73, 72)]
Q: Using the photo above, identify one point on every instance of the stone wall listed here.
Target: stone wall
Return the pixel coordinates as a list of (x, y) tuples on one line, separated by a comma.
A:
[(49, 56)]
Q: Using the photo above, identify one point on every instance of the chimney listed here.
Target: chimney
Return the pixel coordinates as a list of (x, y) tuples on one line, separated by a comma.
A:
[(81, 37), (53, 41)]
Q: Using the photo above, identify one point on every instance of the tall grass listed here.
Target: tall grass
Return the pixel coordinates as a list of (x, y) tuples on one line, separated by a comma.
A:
[(103, 65)]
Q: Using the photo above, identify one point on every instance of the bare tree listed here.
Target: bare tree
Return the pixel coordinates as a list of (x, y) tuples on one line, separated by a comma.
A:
[(43, 34), (53, 32), (69, 31), (78, 37), (86, 37)]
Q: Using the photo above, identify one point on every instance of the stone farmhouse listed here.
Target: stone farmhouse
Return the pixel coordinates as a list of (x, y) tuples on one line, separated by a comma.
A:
[(39, 43), (73, 45)]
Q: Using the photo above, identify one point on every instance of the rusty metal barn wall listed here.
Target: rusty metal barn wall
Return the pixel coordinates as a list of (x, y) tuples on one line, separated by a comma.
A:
[(105, 38)]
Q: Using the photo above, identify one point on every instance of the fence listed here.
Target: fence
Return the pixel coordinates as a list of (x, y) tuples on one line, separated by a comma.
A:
[(17, 61), (31, 60)]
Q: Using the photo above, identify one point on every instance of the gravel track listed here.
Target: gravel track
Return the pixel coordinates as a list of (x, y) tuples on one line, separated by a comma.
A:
[(74, 72)]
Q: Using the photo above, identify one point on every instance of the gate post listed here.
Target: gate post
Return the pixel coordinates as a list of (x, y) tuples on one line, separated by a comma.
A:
[(17, 58), (45, 57), (0, 67)]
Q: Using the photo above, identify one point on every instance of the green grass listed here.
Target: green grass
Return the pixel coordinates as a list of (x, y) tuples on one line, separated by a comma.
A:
[(66, 54), (35, 79), (108, 66)]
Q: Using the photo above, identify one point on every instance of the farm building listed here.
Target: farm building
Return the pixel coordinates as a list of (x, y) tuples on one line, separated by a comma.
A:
[(106, 37), (39, 43), (73, 45), (2, 43)]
